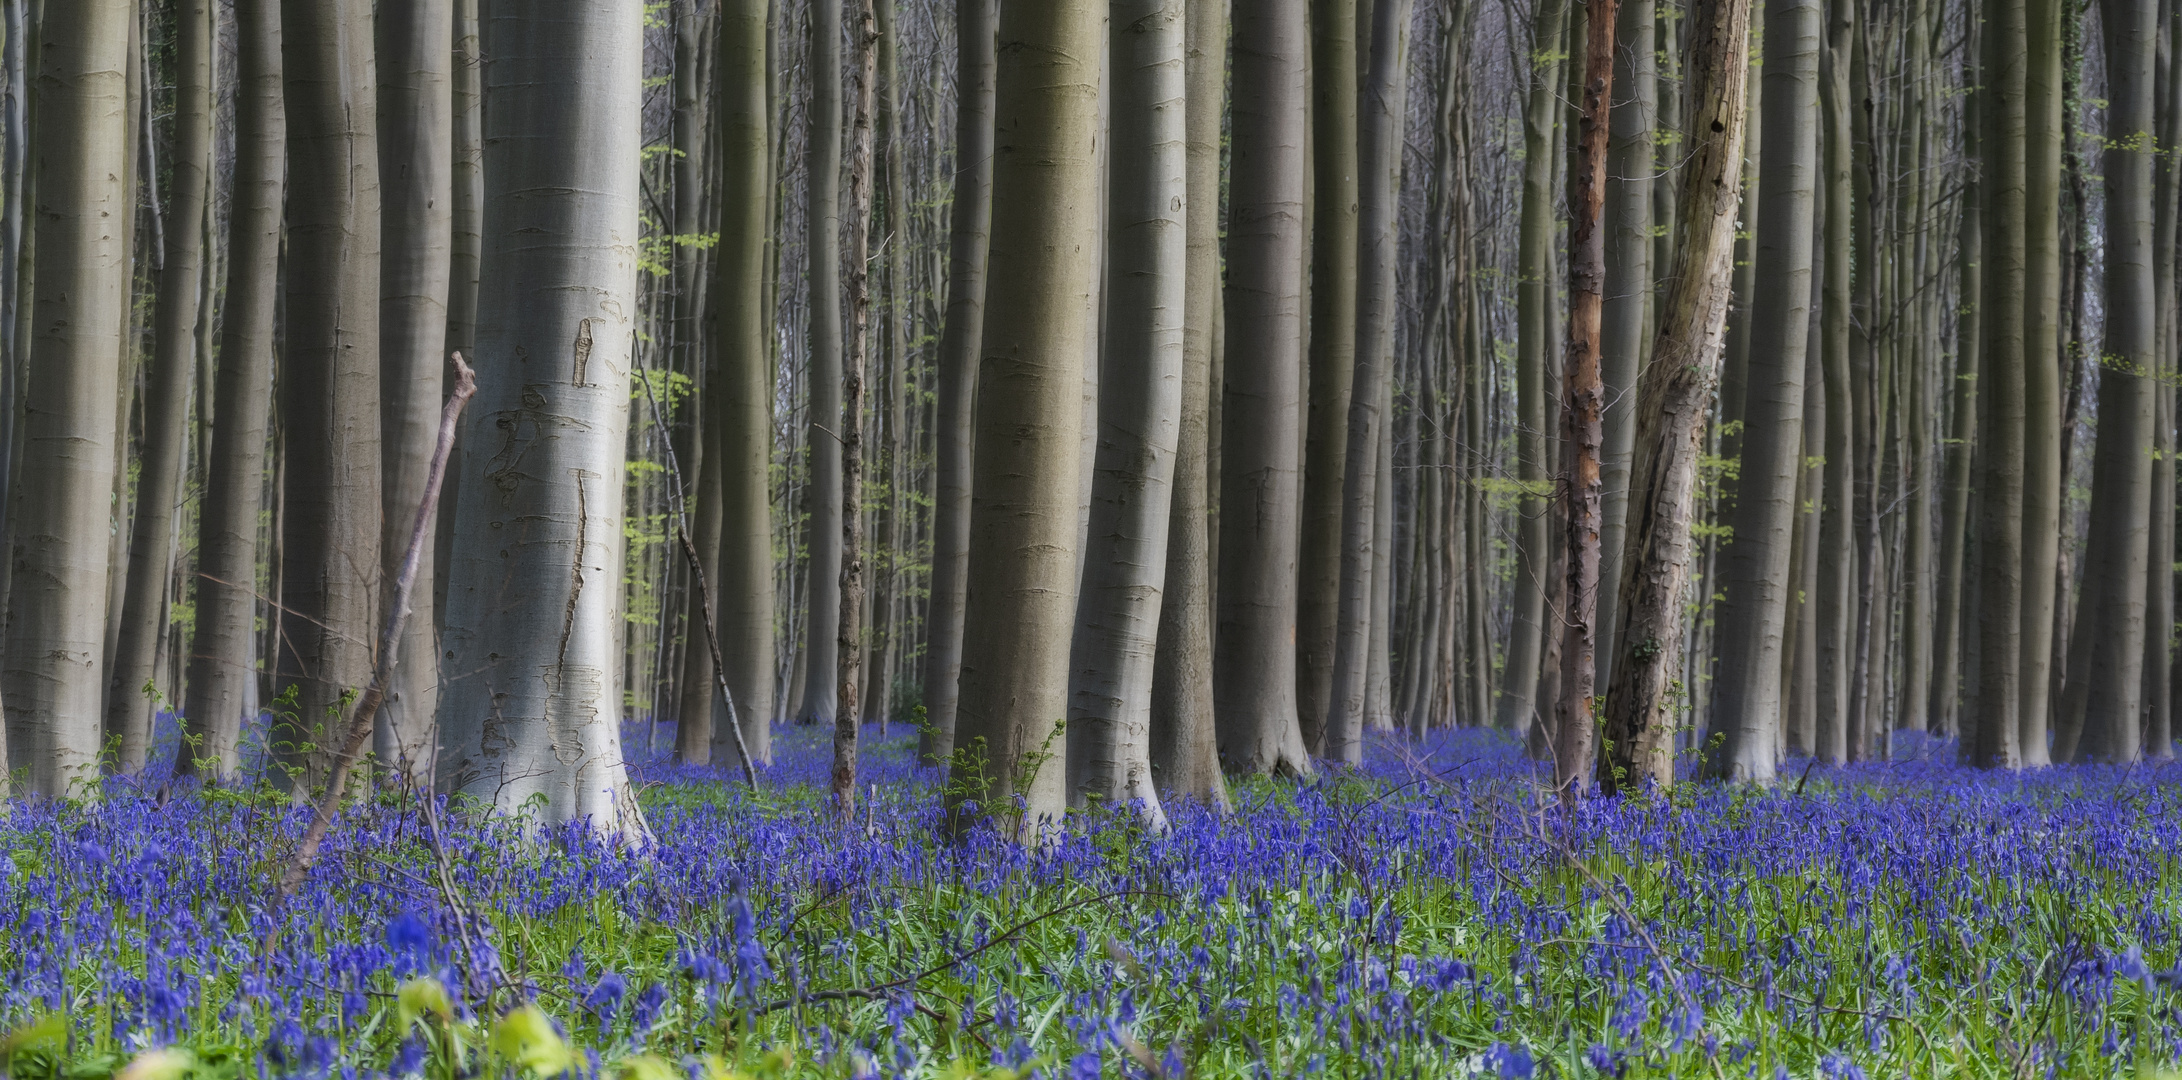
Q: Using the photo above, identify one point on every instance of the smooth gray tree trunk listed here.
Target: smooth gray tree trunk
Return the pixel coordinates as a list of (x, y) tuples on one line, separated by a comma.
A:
[(329, 380), (1753, 616), (530, 712), (822, 220), (1629, 274), (1254, 648), (1020, 612), (50, 671), (1139, 414), (969, 226), (416, 191), (132, 691), (223, 664), (1185, 749)]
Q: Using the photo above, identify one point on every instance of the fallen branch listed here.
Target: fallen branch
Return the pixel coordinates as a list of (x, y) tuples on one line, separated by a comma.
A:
[(367, 706)]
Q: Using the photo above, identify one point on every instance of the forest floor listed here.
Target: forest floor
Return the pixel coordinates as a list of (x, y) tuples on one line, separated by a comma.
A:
[(1426, 916)]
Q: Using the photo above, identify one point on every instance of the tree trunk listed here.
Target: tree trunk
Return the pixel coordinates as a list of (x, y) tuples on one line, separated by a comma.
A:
[(416, 180), (468, 198), (1517, 709), (1583, 401), (968, 236), (222, 666), (1331, 333), (1185, 750), (1254, 650), (1753, 615), (532, 710), (56, 629), (329, 381), (740, 398), (849, 639), (2100, 720), (1990, 736), (2043, 483), (1385, 103), (1139, 407), (822, 220), (1673, 397), (1629, 273), (1018, 620), (143, 615), (1837, 540), (1962, 427)]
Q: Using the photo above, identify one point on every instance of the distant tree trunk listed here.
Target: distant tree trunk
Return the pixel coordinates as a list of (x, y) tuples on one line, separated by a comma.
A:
[(1019, 618), (740, 399), (1254, 651), (143, 615), (2043, 483), (56, 627), (416, 179), (1837, 536), (1517, 708), (822, 220), (1385, 104), (1674, 395), (1758, 585), (1583, 403), (1331, 333), (967, 239), (329, 380), (467, 199), (1139, 411), (849, 635), (1629, 273), (1990, 736), (532, 709), (2159, 620), (222, 667), (1185, 749), (1947, 622), (2106, 668), (690, 331)]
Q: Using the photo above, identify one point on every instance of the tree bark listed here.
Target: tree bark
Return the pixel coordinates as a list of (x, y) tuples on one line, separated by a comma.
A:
[(1254, 651), (1837, 513), (849, 639), (1019, 618), (1140, 392), (131, 684), (530, 715), (1673, 396), (740, 399), (1948, 624), (1629, 274), (822, 220), (1331, 333), (222, 667), (2043, 483), (56, 627), (1990, 736), (1385, 104), (416, 183), (1583, 401), (329, 380), (1185, 749), (1517, 708), (1758, 586), (2100, 720), (967, 242)]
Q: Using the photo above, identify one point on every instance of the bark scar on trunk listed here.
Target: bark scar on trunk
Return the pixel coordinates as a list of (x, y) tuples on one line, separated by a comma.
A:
[(583, 350), (575, 565)]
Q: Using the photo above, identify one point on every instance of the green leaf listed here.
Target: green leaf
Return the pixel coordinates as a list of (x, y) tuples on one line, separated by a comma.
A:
[(525, 1037)]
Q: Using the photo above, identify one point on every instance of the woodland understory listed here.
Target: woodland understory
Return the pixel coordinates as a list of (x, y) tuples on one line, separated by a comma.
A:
[(1157, 538)]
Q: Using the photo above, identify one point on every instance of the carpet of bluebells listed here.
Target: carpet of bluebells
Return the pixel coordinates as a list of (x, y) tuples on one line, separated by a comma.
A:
[(1426, 916)]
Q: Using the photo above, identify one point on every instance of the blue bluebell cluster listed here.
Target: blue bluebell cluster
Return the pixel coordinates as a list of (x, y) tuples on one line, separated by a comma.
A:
[(1429, 915)]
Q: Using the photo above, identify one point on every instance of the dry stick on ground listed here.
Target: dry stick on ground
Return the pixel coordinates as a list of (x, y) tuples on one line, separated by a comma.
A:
[(697, 581), (367, 706)]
